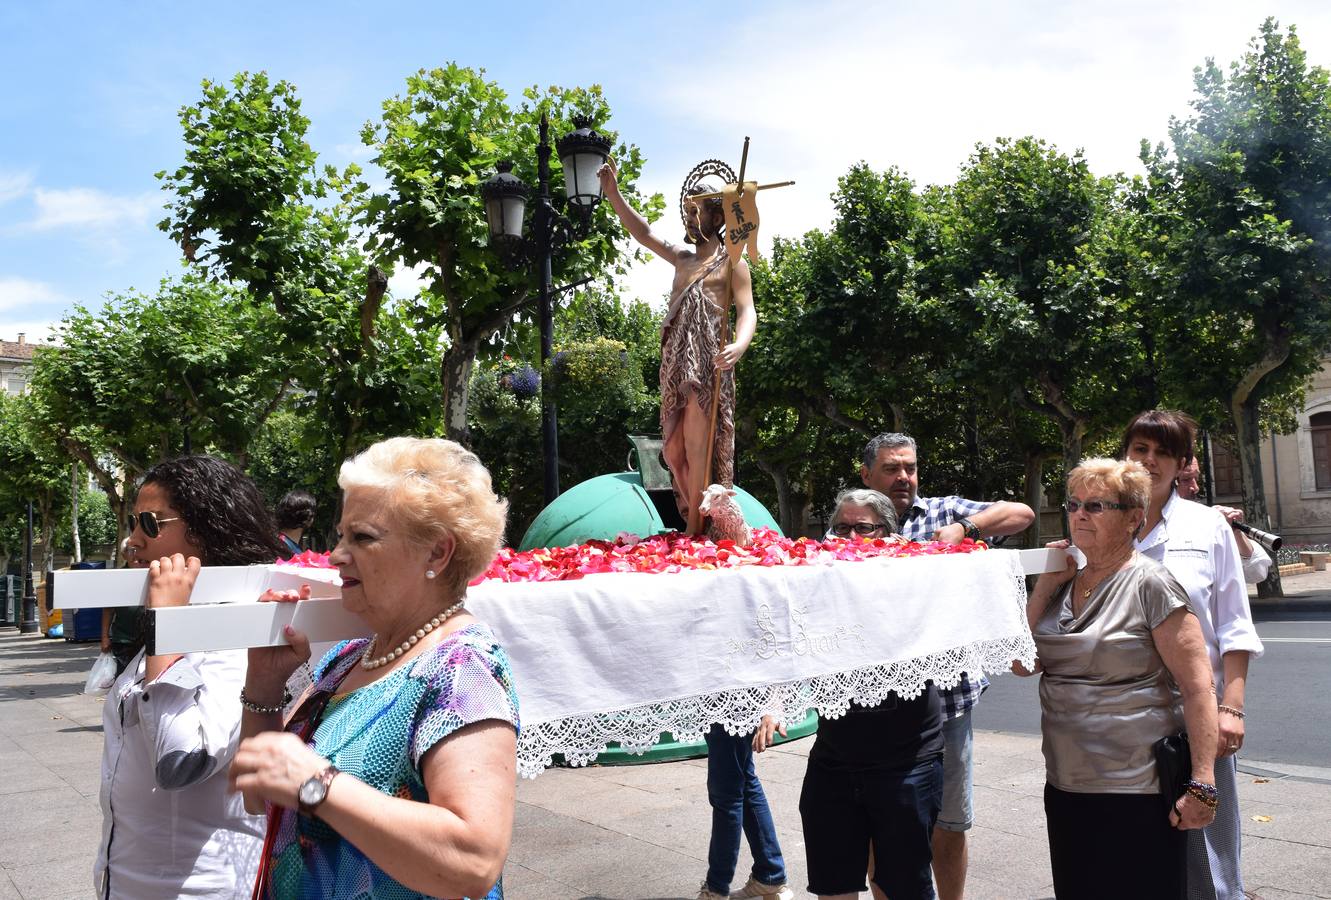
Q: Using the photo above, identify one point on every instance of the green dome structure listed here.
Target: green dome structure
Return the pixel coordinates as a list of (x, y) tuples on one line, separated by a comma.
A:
[(603, 506)]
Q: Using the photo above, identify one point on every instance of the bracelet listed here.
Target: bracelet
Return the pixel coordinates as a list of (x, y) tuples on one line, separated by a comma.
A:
[(250, 706), (1204, 792), (1236, 713)]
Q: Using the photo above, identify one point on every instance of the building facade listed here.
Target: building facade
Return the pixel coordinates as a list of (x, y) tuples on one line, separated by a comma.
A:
[(1296, 470), (15, 365)]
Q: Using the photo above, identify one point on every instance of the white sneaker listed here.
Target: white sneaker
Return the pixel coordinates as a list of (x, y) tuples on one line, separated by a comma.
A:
[(708, 894), (755, 888)]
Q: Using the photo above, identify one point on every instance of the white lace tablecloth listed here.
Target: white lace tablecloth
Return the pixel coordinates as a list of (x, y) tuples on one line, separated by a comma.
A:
[(624, 657)]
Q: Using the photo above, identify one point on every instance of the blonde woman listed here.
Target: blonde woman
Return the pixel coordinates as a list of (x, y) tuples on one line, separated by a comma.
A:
[(1124, 664), (396, 775)]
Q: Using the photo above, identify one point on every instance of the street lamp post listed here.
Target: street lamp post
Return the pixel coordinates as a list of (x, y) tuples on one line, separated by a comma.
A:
[(581, 153), (29, 623)]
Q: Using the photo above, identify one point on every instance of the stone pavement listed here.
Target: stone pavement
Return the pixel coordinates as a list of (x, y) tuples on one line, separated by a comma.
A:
[(629, 833)]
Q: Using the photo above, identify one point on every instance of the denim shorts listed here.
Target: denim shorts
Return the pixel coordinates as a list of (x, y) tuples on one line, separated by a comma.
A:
[(958, 774)]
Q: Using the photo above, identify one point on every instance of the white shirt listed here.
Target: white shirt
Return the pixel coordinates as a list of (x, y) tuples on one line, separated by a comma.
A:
[(1197, 546), (1256, 567), (170, 828)]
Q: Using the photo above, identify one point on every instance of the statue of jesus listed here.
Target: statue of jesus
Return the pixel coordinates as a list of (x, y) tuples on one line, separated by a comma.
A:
[(697, 357)]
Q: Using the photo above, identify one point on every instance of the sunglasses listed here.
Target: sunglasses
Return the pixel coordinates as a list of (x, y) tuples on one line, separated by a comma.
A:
[(1092, 507), (148, 521), (841, 529)]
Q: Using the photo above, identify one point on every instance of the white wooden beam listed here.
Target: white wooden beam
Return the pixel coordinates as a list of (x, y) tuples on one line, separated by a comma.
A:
[(237, 621), (85, 588)]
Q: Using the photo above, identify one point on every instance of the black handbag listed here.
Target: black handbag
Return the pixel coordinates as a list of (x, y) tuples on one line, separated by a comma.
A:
[(1173, 765)]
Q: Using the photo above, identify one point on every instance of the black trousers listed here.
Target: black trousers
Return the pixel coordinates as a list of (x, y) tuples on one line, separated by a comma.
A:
[(1113, 846)]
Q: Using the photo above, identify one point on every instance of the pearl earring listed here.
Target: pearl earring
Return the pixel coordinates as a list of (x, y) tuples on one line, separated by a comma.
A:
[(430, 573)]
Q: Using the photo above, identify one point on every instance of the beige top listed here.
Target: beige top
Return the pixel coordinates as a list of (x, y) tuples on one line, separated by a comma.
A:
[(1106, 696)]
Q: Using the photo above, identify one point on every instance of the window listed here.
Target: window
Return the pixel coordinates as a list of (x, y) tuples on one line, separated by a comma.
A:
[(1226, 471), (1319, 428)]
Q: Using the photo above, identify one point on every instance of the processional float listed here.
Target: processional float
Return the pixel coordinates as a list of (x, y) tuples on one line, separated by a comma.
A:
[(623, 657), (626, 656)]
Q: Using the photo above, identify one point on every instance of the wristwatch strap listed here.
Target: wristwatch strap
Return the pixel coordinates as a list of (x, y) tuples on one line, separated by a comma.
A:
[(972, 530), (325, 778)]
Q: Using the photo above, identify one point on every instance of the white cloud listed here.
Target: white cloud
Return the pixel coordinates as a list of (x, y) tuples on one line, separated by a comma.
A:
[(14, 185), (352, 152), (17, 293), (34, 331), (90, 208), (822, 86), (649, 282), (406, 283)]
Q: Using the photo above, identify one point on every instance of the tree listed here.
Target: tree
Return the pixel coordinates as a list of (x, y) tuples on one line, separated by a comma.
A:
[(96, 524), (436, 144), (243, 207), (602, 400), (1250, 229), (1022, 271), (126, 384), (32, 467), (292, 451), (253, 208)]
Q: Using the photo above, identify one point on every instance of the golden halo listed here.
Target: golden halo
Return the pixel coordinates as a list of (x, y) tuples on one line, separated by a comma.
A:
[(698, 173)]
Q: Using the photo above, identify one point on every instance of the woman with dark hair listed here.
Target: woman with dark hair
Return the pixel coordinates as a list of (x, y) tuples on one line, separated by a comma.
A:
[(170, 827), (295, 513), (1198, 547)]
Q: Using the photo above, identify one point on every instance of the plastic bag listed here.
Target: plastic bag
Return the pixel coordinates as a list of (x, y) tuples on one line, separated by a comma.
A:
[(102, 676)]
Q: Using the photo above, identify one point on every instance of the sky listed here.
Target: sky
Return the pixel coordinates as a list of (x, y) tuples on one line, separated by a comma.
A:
[(89, 94)]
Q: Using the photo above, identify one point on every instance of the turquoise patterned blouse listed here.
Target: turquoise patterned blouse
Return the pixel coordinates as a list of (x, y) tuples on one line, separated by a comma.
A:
[(379, 734)]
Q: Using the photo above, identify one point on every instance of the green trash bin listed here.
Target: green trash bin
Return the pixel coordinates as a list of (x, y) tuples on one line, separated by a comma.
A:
[(601, 508)]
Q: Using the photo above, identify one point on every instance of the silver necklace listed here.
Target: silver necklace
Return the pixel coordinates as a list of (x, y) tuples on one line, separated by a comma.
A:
[(410, 642)]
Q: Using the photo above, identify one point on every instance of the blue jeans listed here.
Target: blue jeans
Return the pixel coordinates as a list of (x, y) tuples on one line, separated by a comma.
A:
[(738, 803)]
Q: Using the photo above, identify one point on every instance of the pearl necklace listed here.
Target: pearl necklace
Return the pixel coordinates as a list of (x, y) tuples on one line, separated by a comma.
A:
[(410, 642)]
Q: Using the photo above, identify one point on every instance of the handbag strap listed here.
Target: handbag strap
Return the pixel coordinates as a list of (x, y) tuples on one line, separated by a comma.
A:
[(306, 716)]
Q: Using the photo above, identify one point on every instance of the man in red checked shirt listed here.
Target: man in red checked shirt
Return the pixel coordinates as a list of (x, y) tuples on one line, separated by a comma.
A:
[(890, 467)]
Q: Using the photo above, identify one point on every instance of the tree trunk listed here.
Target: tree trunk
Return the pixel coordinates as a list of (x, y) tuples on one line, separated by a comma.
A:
[(1034, 495), (74, 509), (786, 511), (1073, 431), (1243, 409), (1249, 434), (45, 507), (898, 418), (115, 489), (455, 373), (1072, 424), (118, 509), (970, 437)]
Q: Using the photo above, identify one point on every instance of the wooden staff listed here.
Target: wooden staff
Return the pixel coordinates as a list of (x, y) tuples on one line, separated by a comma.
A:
[(695, 516), (760, 187)]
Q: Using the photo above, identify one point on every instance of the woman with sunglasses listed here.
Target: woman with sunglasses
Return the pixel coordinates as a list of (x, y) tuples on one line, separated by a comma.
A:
[(1197, 545), (170, 827), (1124, 665), (395, 775)]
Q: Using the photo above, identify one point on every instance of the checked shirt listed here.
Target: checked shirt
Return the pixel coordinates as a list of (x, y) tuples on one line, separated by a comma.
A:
[(925, 516)]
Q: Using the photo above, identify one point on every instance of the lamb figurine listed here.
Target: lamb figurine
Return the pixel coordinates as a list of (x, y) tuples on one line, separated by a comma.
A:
[(727, 521)]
